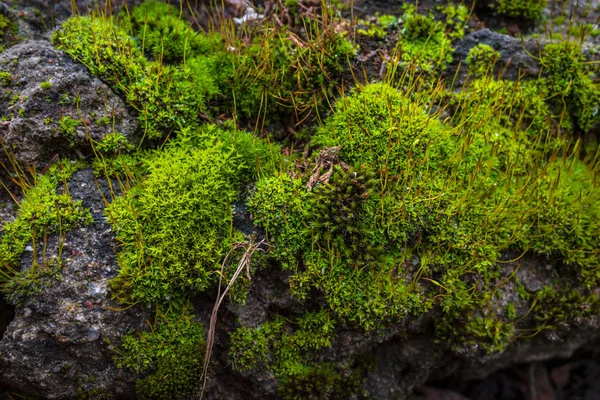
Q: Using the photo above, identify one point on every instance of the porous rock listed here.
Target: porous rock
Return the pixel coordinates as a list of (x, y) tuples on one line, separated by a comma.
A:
[(31, 112), (63, 339), (516, 57)]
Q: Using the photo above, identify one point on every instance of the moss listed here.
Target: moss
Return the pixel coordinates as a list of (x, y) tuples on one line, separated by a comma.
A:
[(571, 91), (175, 225), (42, 212), (45, 85), (114, 143), (275, 76), (562, 306), (68, 127), (482, 59), (524, 9), (166, 97), (8, 32), (170, 354), (163, 32), (5, 78), (424, 42)]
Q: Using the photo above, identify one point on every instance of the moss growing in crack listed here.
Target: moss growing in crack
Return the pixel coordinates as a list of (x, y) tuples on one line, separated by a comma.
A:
[(175, 224), (68, 127), (169, 354), (5, 78)]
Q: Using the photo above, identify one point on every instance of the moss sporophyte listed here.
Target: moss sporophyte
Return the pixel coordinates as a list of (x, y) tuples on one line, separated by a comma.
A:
[(396, 200)]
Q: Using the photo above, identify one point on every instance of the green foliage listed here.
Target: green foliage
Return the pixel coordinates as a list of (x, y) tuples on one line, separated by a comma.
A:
[(457, 17), (68, 127), (562, 306), (29, 282), (164, 33), (286, 353), (525, 9), (166, 97), (8, 31), (170, 353), (114, 143), (276, 76), (571, 91), (46, 85), (175, 224), (335, 213), (424, 42), (481, 60), (5, 78), (42, 212), (379, 27)]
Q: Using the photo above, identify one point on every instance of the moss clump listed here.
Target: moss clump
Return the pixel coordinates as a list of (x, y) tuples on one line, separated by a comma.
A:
[(166, 97), (276, 76), (114, 143), (41, 212), (570, 89), (68, 127), (170, 354), (559, 307), (8, 32), (164, 33), (423, 43), (482, 59), (175, 225), (525, 9), (5, 78), (380, 126)]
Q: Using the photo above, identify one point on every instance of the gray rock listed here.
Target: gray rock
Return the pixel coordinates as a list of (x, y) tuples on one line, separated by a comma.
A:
[(63, 337), (515, 61), (31, 115)]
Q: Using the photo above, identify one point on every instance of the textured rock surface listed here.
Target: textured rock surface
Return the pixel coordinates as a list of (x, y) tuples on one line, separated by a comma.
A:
[(31, 115), (61, 338), (515, 61)]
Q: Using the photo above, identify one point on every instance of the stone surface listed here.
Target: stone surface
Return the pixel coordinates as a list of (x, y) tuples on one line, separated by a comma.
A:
[(31, 115), (62, 339), (515, 61)]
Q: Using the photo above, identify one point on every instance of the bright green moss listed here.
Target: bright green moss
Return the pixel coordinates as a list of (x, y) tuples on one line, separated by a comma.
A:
[(46, 85), (170, 354), (8, 31), (424, 43), (166, 97), (113, 143), (525, 9), (175, 224), (380, 126), (42, 212), (163, 32), (457, 17), (275, 76), (571, 91), (68, 127), (482, 59), (559, 307), (5, 78)]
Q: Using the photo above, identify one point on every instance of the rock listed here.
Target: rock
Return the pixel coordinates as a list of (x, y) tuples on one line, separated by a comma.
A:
[(63, 337), (59, 117), (515, 58)]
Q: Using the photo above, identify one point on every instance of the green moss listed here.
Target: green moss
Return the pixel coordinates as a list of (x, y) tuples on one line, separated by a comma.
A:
[(166, 97), (525, 9), (560, 307), (275, 76), (424, 42), (46, 85), (114, 143), (175, 224), (170, 354), (5, 78), (42, 212), (482, 59), (571, 91), (163, 32), (68, 127)]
